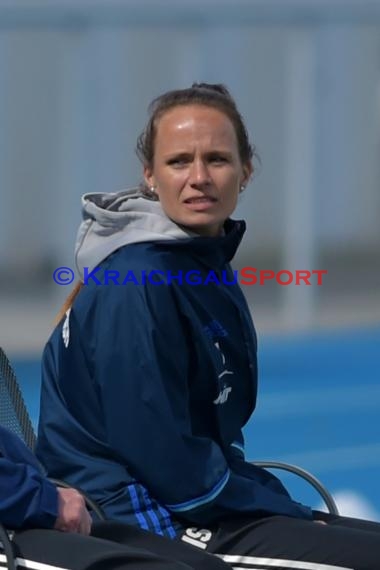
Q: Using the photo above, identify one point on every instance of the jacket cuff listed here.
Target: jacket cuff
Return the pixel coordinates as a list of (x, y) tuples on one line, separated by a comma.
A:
[(48, 509)]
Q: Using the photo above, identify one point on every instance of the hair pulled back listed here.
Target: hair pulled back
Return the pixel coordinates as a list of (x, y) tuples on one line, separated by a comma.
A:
[(216, 96)]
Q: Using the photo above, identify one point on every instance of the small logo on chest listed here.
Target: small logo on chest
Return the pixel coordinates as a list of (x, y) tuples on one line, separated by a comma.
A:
[(223, 395), (225, 389)]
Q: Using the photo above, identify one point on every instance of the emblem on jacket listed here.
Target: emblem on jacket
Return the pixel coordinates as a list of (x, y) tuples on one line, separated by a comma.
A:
[(224, 388), (66, 329)]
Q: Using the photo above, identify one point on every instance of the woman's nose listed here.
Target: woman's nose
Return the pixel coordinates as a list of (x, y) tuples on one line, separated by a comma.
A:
[(199, 174)]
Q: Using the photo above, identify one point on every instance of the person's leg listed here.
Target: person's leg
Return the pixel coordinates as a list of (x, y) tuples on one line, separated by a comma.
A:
[(161, 546), (349, 522), (285, 543), (49, 549)]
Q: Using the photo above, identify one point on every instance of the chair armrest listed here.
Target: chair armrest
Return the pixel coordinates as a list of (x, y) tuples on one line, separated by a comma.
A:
[(90, 503), (314, 482), (8, 549)]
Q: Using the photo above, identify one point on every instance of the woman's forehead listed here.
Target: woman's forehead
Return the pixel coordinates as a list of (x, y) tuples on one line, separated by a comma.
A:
[(195, 122)]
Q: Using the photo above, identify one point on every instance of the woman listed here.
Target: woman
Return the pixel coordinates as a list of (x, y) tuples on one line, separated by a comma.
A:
[(151, 375)]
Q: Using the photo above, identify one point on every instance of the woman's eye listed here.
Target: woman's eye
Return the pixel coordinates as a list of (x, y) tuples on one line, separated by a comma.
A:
[(177, 161), (218, 159)]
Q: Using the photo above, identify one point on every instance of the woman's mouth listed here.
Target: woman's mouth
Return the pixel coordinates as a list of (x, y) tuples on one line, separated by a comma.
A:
[(200, 203)]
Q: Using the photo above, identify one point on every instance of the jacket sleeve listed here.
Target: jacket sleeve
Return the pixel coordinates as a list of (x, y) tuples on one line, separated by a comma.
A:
[(143, 367), (27, 498)]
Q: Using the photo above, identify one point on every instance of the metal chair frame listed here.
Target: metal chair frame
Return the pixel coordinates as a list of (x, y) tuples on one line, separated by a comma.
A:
[(307, 476), (7, 549)]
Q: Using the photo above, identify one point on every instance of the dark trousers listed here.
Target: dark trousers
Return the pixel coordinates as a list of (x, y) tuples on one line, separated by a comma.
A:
[(112, 546), (284, 543)]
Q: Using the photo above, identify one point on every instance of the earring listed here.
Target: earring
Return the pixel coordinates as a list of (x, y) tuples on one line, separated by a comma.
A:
[(242, 188), (152, 189)]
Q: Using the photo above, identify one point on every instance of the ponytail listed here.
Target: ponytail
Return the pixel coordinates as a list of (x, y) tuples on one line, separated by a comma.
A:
[(68, 302)]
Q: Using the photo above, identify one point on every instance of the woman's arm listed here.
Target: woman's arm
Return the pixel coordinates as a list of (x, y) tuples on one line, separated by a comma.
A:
[(27, 498)]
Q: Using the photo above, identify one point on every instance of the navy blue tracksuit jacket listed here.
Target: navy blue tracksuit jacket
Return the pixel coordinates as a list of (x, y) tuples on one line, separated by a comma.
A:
[(146, 389)]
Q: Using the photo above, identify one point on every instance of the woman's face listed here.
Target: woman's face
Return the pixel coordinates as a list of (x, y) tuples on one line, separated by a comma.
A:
[(197, 172)]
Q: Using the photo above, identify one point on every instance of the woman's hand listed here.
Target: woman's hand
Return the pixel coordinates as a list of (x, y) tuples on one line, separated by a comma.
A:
[(73, 515)]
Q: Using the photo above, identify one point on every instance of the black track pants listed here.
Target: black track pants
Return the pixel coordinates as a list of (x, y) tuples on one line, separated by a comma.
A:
[(283, 543), (112, 546)]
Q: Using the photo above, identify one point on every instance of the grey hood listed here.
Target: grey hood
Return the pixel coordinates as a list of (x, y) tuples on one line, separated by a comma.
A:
[(120, 218)]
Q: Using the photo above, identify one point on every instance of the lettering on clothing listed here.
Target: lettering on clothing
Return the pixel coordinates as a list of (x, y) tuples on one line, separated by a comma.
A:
[(215, 329), (216, 332), (223, 396), (225, 388), (197, 537)]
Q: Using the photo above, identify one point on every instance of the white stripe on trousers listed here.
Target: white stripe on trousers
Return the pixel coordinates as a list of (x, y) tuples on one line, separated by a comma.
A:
[(245, 568), (31, 564), (254, 563)]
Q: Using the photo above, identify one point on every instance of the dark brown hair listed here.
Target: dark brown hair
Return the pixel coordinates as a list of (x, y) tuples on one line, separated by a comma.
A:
[(68, 302), (216, 96)]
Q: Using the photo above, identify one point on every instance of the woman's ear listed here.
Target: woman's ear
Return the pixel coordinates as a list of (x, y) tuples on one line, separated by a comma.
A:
[(247, 173), (148, 177)]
